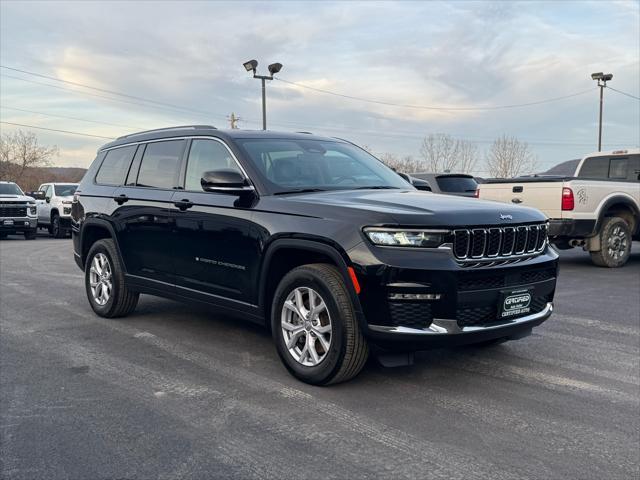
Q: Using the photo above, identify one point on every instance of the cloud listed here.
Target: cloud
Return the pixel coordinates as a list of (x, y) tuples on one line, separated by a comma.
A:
[(426, 53)]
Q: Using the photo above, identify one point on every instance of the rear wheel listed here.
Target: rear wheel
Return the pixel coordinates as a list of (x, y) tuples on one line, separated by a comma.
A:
[(104, 282), (615, 243), (315, 327)]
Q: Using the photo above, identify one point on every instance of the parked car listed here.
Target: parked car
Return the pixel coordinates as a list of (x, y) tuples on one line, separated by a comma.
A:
[(18, 212), (54, 207), (450, 183), (311, 236), (596, 206)]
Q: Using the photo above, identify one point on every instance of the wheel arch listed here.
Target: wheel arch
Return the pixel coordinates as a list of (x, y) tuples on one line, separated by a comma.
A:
[(619, 206), (283, 255), (94, 230)]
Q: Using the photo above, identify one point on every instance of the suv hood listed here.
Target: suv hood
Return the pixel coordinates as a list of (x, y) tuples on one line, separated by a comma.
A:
[(410, 207)]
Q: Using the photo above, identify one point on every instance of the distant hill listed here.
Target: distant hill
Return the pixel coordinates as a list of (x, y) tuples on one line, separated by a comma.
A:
[(33, 177)]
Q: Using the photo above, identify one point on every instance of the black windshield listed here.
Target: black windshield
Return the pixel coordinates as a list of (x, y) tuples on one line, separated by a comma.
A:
[(10, 189), (292, 165)]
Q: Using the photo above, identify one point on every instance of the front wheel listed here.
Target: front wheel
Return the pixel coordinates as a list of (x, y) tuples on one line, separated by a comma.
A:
[(56, 228), (615, 243), (104, 282), (315, 327)]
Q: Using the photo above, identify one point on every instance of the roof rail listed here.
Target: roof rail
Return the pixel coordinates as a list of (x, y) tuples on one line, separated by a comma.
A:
[(180, 127)]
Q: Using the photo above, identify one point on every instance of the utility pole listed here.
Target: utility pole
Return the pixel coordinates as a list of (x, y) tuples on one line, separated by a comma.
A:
[(233, 121), (274, 68), (602, 79)]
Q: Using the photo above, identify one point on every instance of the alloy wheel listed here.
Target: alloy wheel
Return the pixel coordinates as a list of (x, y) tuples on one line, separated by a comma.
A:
[(306, 326), (617, 243), (100, 279)]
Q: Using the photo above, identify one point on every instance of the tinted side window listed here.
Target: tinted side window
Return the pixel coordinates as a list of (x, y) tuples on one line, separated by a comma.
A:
[(595, 167), (633, 174), (618, 168), (457, 184), (161, 164), (204, 156), (115, 165)]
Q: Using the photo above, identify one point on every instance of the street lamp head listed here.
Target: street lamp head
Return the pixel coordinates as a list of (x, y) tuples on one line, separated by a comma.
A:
[(607, 77), (596, 76), (251, 65), (275, 68)]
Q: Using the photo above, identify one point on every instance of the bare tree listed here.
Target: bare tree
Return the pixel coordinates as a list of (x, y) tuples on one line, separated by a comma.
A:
[(467, 157), (443, 153), (406, 164), (19, 152), (508, 157)]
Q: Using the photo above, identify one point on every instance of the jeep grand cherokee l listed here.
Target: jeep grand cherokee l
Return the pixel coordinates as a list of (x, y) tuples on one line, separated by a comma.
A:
[(311, 236)]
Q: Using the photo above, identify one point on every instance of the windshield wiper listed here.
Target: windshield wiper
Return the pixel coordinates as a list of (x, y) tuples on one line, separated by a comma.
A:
[(300, 190)]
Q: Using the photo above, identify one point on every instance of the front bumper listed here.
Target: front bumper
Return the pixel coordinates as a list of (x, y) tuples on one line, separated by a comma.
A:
[(22, 224), (424, 299)]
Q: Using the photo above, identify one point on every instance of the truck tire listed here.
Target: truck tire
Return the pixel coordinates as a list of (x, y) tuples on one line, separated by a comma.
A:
[(104, 282), (315, 328), (615, 243), (56, 229)]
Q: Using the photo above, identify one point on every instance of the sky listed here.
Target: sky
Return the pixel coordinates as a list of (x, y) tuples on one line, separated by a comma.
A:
[(181, 63)]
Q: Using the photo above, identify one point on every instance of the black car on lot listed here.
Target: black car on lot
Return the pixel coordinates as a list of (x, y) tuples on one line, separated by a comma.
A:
[(460, 184), (312, 237)]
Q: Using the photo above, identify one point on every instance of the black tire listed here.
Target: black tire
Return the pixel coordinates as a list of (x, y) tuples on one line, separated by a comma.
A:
[(56, 229), (49, 229), (348, 350), (30, 235), (121, 301), (615, 243)]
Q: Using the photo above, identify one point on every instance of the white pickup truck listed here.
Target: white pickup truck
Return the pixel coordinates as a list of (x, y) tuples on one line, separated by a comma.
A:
[(596, 206), (54, 207)]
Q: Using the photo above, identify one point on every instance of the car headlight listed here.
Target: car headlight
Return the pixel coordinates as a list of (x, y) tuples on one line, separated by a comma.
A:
[(33, 210), (408, 237)]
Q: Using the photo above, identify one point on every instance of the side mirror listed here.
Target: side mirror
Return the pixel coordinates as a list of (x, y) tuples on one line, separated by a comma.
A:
[(421, 184), (39, 195), (225, 181)]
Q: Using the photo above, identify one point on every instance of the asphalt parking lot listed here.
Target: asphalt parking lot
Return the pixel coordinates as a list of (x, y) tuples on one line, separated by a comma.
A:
[(174, 391)]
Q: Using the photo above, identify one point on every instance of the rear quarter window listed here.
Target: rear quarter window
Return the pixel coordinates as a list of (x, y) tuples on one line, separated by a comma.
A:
[(115, 166)]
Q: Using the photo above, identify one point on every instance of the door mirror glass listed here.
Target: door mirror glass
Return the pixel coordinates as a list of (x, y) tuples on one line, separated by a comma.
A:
[(37, 195), (225, 180)]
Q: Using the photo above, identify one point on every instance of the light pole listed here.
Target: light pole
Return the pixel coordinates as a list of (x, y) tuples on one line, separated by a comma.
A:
[(274, 68), (602, 79)]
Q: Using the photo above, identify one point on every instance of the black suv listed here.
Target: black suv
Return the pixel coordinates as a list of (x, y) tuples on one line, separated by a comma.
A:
[(311, 236)]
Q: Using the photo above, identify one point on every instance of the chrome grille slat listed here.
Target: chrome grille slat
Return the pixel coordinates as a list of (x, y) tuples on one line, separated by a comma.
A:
[(492, 245)]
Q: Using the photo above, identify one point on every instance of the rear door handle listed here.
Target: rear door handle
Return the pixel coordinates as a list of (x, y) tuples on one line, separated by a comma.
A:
[(516, 200), (120, 199), (183, 204)]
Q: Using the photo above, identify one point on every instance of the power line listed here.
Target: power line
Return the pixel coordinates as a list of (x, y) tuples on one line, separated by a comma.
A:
[(69, 118), (426, 107), (623, 93), (104, 90), (56, 130), (111, 99)]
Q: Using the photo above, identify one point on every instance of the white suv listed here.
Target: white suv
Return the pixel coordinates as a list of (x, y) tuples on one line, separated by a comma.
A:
[(54, 207)]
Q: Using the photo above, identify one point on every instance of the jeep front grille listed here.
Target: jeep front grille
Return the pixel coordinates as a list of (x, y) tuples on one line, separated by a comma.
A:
[(499, 243)]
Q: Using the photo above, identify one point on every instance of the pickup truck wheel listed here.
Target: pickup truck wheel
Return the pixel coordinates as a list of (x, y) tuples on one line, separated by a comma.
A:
[(56, 229), (615, 243), (315, 327), (104, 282)]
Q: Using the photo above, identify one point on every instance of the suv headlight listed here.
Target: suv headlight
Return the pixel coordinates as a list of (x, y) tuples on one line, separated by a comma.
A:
[(406, 237)]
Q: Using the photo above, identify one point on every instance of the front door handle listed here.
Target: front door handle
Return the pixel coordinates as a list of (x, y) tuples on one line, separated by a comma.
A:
[(120, 199), (516, 200), (183, 204)]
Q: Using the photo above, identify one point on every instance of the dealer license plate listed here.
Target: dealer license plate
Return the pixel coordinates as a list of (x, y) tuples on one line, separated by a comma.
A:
[(515, 303)]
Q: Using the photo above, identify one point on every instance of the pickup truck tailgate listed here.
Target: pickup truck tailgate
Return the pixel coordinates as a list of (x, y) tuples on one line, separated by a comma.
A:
[(545, 196)]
